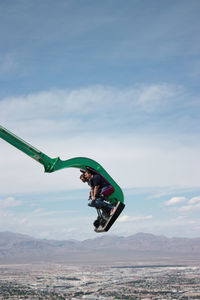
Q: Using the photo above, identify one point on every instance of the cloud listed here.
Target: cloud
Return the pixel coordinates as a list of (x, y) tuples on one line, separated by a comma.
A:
[(129, 219), (23, 221), (38, 210), (175, 200), (69, 230), (194, 200), (10, 202), (79, 103), (155, 96), (132, 160), (121, 128), (189, 208), (192, 205)]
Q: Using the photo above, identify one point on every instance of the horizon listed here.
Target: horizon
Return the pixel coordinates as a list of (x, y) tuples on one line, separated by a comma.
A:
[(116, 82), (101, 236)]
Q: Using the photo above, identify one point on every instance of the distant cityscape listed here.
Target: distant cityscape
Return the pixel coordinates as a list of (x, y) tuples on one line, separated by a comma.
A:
[(141, 266), (58, 281)]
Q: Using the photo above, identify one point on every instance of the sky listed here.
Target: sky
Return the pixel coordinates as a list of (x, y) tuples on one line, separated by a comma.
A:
[(116, 81)]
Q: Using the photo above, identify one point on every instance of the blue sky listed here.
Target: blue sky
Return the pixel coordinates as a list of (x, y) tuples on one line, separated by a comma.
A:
[(111, 80)]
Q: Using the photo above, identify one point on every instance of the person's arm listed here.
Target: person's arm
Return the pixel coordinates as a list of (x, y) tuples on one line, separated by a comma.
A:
[(92, 192), (95, 192)]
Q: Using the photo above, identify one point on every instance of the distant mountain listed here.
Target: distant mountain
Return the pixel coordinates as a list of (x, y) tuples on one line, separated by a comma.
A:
[(145, 242), (16, 247)]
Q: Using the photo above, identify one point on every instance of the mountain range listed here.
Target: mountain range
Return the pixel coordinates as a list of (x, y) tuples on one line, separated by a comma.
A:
[(140, 247)]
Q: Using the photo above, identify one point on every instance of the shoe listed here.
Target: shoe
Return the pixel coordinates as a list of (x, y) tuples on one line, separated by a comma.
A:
[(97, 223)]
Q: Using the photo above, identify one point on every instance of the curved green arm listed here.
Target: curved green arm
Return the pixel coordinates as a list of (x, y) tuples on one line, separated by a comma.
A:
[(55, 164)]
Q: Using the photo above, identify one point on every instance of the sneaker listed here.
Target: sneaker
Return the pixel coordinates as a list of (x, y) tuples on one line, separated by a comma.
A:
[(96, 223)]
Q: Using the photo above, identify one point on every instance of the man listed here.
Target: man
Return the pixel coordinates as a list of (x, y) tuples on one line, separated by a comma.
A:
[(83, 178), (100, 190)]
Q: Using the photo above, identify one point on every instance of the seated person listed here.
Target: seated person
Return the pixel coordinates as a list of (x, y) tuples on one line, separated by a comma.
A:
[(100, 190), (83, 178)]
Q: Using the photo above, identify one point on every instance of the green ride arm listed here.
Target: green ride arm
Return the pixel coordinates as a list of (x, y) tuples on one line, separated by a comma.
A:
[(25, 147), (55, 164)]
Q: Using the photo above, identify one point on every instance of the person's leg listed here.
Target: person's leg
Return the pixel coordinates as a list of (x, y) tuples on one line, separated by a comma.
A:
[(107, 190), (100, 203)]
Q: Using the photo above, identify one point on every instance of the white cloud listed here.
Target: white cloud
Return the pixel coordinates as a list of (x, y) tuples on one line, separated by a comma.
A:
[(129, 219), (91, 122), (186, 208), (175, 200), (156, 96), (189, 208), (192, 205), (10, 202), (194, 200), (38, 210), (70, 230), (86, 101), (23, 221), (132, 160)]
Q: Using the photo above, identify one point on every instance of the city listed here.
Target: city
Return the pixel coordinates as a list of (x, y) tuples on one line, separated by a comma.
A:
[(60, 281)]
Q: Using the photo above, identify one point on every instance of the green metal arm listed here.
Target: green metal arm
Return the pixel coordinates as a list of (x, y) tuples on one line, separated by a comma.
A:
[(55, 164)]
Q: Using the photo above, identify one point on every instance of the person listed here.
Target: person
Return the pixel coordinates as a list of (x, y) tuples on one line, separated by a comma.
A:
[(100, 190), (83, 178)]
